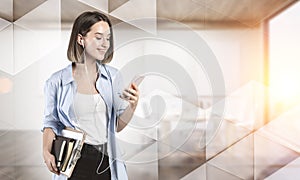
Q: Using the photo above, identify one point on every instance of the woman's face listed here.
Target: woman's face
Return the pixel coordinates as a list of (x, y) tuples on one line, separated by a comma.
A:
[(96, 41)]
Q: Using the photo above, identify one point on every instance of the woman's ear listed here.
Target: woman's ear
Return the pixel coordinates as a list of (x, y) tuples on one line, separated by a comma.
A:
[(80, 40)]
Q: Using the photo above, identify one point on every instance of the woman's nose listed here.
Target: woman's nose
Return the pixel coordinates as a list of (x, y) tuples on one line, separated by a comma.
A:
[(105, 43)]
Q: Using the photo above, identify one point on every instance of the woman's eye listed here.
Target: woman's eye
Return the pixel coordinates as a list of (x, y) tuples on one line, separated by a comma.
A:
[(100, 38)]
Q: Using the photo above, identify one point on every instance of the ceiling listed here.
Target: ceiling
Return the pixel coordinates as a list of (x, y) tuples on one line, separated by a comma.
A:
[(198, 13), (221, 12)]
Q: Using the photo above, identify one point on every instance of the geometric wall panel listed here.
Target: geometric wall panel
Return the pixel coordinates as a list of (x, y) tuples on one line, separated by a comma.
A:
[(6, 10), (36, 34), (6, 45), (237, 159), (199, 173), (285, 129), (3, 23), (115, 4), (214, 173), (269, 156), (144, 164), (288, 172), (20, 9), (31, 37), (100, 5), (138, 10), (227, 135)]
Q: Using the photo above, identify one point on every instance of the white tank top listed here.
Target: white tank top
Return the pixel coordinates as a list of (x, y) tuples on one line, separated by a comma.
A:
[(90, 110)]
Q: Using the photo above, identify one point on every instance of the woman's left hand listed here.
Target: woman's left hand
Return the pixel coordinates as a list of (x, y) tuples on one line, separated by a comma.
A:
[(131, 95)]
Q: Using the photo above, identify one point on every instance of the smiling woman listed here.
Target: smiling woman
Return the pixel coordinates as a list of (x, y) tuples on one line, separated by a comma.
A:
[(95, 31), (84, 96)]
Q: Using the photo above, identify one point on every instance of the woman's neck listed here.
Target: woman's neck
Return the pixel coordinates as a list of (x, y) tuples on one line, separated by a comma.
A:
[(89, 66)]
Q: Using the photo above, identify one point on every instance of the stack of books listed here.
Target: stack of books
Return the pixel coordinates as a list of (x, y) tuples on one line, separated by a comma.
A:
[(66, 149)]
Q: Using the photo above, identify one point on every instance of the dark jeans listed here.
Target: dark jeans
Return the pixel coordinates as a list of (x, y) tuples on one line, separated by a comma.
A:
[(88, 163)]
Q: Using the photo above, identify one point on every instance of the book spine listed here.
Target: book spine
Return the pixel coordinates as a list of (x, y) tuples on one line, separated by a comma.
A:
[(62, 148), (67, 158)]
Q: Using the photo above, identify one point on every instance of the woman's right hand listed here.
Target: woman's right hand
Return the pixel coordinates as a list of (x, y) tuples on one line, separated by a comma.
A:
[(49, 160)]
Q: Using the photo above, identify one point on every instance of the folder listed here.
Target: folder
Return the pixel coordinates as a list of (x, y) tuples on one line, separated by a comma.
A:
[(66, 148)]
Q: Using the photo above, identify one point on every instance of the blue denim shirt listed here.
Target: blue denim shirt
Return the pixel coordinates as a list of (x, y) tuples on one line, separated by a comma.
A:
[(60, 90)]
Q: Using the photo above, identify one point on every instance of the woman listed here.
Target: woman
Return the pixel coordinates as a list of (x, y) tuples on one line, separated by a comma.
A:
[(86, 96)]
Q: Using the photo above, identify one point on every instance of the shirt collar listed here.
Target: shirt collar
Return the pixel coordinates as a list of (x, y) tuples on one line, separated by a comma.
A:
[(102, 69), (67, 76)]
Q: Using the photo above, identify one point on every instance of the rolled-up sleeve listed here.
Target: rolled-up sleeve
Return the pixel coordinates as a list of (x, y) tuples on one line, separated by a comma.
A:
[(51, 119), (119, 104)]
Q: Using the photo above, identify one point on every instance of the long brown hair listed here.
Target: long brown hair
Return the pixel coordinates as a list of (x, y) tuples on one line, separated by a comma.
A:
[(82, 25)]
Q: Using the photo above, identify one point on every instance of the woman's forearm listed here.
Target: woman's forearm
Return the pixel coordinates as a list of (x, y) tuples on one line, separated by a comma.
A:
[(48, 137), (125, 118), (131, 95), (49, 159)]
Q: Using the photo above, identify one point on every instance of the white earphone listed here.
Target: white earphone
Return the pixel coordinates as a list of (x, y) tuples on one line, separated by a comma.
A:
[(82, 42)]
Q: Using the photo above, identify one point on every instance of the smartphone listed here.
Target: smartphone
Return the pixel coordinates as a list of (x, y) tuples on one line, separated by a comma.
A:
[(136, 80)]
